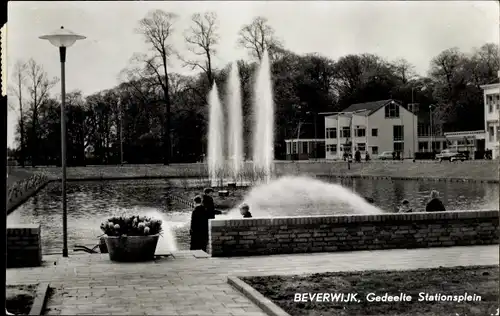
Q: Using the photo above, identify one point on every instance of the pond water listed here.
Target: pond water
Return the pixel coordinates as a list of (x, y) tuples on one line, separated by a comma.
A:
[(91, 202)]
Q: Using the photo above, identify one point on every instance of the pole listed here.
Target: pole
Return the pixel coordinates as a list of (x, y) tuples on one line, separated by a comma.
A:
[(430, 119), (315, 136), (62, 54), (121, 135), (413, 122)]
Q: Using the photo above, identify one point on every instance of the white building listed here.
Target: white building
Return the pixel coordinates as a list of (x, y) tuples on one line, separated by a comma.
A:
[(372, 127), (491, 115)]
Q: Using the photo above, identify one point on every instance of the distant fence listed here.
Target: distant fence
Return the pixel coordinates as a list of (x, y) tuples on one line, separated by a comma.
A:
[(285, 235)]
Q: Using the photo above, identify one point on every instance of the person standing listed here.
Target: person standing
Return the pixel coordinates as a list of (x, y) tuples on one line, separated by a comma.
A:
[(199, 226), (208, 203), (357, 156), (435, 204)]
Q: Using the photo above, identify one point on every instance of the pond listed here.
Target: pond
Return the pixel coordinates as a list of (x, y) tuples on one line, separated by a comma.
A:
[(91, 202)]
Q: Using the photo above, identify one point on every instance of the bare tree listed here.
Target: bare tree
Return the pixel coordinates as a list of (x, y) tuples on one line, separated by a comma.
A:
[(259, 36), (404, 70), (157, 27), (201, 38), (17, 89), (39, 86)]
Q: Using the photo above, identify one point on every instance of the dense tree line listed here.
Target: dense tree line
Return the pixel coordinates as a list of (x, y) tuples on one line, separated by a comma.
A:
[(161, 117)]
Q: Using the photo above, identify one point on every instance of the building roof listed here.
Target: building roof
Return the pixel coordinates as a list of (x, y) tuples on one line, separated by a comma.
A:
[(490, 86), (369, 106)]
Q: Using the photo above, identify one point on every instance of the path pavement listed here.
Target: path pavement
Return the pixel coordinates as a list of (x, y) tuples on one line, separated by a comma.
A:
[(187, 284)]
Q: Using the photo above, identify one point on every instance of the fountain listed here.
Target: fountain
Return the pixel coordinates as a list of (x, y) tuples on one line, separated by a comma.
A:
[(304, 193), (215, 158), (263, 144), (235, 135), (263, 105)]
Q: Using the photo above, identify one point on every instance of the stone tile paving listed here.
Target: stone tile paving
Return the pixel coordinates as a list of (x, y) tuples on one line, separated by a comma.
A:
[(188, 284)]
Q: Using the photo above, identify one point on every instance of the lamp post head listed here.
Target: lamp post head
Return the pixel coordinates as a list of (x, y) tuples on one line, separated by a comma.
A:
[(62, 37)]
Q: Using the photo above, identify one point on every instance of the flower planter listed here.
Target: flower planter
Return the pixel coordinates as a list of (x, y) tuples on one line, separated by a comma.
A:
[(131, 248), (102, 245)]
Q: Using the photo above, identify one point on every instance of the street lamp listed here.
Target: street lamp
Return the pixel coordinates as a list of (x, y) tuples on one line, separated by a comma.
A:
[(431, 108), (63, 38)]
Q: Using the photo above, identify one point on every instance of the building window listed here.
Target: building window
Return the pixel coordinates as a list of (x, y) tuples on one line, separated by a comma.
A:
[(331, 133), (361, 146), (392, 110), (374, 150), (436, 145), (423, 130), (294, 150), (360, 132), (331, 148), (398, 147), (491, 132), (346, 132), (374, 132), (423, 146), (305, 148), (489, 99), (490, 108), (398, 133)]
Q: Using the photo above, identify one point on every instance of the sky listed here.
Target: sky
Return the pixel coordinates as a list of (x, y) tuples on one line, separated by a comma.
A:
[(414, 30)]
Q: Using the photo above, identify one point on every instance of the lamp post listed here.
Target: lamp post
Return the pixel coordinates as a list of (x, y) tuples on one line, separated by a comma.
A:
[(431, 108), (63, 38)]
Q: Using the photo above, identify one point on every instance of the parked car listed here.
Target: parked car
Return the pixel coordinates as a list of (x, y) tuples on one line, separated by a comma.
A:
[(386, 155), (450, 155)]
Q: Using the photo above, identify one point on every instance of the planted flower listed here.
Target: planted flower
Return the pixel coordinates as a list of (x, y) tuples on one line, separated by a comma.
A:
[(131, 226)]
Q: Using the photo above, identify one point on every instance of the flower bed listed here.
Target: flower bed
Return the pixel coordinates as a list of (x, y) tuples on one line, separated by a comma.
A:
[(19, 298), (479, 281)]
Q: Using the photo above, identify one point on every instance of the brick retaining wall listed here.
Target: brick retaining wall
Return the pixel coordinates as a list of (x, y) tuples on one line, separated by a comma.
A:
[(24, 246), (284, 235)]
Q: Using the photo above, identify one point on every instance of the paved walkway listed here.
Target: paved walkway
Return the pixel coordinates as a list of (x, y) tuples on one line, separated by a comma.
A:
[(187, 284)]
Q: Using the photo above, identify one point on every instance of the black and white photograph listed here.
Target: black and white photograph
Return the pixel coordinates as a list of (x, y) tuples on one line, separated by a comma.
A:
[(252, 158)]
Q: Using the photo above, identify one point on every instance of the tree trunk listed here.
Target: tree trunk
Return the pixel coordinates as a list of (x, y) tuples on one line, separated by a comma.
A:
[(21, 130), (166, 134), (34, 142)]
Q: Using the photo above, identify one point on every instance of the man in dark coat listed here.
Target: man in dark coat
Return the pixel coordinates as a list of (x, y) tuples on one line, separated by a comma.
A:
[(208, 203), (199, 226), (435, 204), (357, 156)]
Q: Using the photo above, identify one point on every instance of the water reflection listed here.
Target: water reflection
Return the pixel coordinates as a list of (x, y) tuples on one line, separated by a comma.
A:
[(91, 202)]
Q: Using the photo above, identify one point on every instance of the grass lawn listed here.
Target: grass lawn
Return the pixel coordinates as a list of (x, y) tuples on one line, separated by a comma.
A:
[(19, 298), (482, 281)]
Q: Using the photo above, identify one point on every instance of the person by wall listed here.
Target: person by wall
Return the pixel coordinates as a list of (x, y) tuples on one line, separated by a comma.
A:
[(245, 211), (405, 207), (435, 204), (208, 203), (199, 226)]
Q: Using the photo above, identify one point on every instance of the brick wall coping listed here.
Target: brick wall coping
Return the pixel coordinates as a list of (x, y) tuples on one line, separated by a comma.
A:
[(352, 218), (23, 226)]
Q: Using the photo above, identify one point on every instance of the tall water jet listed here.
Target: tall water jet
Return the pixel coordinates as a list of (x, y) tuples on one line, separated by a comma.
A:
[(215, 157), (263, 105), (235, 135)]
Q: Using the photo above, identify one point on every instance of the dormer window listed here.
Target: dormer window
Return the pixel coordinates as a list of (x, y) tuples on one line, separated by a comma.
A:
[(392, 110)]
